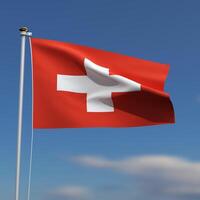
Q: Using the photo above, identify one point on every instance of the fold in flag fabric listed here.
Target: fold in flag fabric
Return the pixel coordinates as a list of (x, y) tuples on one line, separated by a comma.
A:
[(78, 86)]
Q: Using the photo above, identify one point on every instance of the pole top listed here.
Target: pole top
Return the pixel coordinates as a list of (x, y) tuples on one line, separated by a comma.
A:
[(25, 31)]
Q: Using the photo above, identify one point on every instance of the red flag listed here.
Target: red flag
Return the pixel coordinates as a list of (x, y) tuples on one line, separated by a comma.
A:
[(78, 86)]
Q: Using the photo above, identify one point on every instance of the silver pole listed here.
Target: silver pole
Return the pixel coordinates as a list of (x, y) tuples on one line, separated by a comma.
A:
[(24, 32)]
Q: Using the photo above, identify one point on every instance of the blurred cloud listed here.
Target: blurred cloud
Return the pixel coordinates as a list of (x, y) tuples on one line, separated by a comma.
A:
[(71, 192), (158, 177), (198, 98)]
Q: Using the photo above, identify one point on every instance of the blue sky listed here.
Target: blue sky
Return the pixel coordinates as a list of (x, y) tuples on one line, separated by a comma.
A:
[(160, 162)]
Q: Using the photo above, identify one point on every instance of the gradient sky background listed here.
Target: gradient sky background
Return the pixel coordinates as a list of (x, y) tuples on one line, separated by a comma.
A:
[(150, 163)]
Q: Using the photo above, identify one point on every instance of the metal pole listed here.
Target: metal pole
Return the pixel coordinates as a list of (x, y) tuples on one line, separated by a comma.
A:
[(24, 33)]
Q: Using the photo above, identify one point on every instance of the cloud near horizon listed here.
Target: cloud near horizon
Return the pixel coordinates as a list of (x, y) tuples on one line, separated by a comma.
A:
[(71, 192), (157, 176)]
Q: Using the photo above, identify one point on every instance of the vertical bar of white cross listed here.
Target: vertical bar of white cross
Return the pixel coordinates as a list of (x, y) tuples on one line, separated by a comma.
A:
[(24, 32)]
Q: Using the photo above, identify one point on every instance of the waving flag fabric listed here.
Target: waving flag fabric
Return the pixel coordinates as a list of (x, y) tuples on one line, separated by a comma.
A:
[(77, 86)]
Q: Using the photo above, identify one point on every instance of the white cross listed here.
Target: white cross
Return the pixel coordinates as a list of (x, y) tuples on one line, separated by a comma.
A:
[(98, 85)]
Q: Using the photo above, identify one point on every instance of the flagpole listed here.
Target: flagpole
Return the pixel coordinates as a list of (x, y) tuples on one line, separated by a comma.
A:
[(23, 32)]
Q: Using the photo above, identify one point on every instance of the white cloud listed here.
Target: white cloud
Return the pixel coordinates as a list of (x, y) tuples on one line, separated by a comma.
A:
[(163, 175), (72, 192), (93, 161)]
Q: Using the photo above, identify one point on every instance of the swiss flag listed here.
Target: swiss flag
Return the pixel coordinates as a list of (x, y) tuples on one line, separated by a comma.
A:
[(78, 86)]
